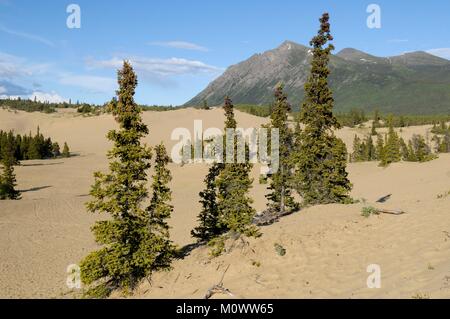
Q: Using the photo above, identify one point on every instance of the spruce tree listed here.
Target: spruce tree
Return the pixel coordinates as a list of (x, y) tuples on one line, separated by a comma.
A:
[(321, 175), (160, 210), (379, 149), (280, 197), (8, 178), (132, 239), (373, 130), (392, 147), (404, 150), (234, 183), (369, 151), (66, 151), (56, 150), (205, 105), (209, 223)]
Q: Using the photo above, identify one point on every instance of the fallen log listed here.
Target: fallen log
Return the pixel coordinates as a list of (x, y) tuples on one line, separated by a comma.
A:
[(391, 211)]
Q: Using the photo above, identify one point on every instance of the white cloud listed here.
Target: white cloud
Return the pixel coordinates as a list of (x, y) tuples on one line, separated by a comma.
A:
[(2, 89), (160, 67), (91, 83), (442, 53), (12, 66), (47, 97), (27, 36), (180, 45)]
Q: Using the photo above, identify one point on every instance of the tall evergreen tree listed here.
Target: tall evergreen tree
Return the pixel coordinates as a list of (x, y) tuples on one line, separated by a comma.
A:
[(160, 210), (234, 183), (280, 197), (379, 149), (209, 223), (391, 153), (131, 239), (321, 175)]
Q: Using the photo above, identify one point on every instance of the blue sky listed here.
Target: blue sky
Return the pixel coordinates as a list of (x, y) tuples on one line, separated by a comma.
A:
[(178, 47)]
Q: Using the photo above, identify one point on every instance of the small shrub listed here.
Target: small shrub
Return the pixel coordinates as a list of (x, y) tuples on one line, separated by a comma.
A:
[(281, 251), (218, 246), (369, 210)]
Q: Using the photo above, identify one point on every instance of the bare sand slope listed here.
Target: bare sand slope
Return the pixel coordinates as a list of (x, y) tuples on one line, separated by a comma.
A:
[(328, 248)]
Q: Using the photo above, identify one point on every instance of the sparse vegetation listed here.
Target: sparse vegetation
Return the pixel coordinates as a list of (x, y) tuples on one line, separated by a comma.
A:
[(368, 211), (281, 251)]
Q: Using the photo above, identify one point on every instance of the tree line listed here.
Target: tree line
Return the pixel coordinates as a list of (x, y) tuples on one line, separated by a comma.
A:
[(392, 148), (15, 148)]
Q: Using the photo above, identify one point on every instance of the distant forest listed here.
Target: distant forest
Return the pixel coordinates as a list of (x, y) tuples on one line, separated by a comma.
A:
[(352, 118), (28, 105), (28, 147)]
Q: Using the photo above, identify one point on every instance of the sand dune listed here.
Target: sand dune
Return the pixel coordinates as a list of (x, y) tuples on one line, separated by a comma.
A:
[(328, 247)]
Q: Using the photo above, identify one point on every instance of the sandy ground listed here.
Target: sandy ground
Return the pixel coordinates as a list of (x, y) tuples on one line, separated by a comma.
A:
[(328, 248)]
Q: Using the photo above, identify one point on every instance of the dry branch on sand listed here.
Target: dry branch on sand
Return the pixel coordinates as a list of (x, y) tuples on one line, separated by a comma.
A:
[(219, 288)]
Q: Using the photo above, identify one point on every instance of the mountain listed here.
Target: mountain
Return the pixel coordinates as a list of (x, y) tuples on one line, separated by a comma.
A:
[(411, 83)]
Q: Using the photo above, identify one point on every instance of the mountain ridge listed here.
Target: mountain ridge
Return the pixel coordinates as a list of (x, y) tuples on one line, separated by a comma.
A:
[(411, 83)]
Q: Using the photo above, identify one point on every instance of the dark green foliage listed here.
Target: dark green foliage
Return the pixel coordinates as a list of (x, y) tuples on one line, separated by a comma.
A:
[(441, 129), (8, 178), (363, 150), (233, 184), (280, 197), (257, 110), (160, 210), (442, 143), (205, 105), (56, 150), (379, 148), (321, 157), (134, 238), (228, 107), (351, 119), (373, 130), (209, 223), (418, 150), (27, 147), (412, 120), (391, 151)]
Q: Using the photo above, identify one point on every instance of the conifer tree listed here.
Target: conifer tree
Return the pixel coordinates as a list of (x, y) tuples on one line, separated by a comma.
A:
[(280, 186), (8, 178), (209, 223), (133, 240), (66, 151), (404, 150), (205, 105), (160, 210), (369, 151), (358, 150), (321, 159), (391, 148), (444, 144), (56, 150), (379, 150), (234, 183), (373, 130)]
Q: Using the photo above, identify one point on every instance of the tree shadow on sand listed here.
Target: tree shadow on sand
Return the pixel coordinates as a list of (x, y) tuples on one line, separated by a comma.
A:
[(34, 189)]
